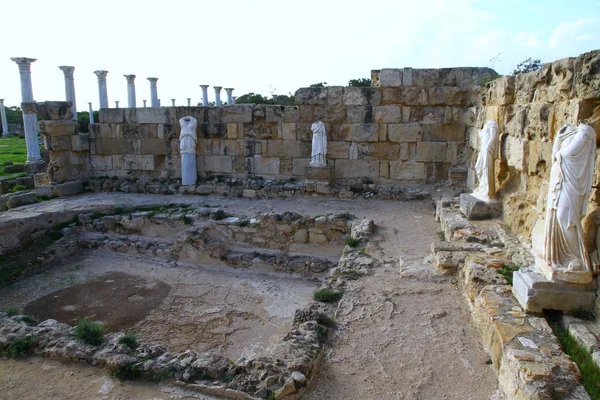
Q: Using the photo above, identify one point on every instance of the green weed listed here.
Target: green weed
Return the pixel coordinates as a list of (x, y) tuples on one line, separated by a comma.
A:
[(130, 340), (89, 332), (11, 311), (327, 295)]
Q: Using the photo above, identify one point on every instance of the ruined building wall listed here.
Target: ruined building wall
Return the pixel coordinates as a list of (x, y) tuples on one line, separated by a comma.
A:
[(409, 127), (530, 108)]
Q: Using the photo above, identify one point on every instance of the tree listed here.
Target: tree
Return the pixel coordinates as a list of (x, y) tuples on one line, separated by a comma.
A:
[(527, 66), (255, 98), (359, 82), (320, 84), (83, 119)]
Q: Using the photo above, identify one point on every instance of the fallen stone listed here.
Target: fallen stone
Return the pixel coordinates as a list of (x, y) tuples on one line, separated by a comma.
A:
[(20, 199), (475, 208)]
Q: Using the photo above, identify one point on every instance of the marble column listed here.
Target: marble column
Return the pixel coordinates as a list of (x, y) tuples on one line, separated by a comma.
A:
[(218, 95), (173, 102), (70, 87), (204, 95), (158, 102), (131, 103), (3, 116), (91, 111), (116, 103), (229, 96), (153, 93), (102, 88), (189, 99), (29, 120), (145, 103)]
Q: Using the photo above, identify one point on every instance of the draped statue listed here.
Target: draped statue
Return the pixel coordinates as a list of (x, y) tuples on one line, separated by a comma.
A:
[(564, 254), (319, 145), (187, 148), (484, 167)]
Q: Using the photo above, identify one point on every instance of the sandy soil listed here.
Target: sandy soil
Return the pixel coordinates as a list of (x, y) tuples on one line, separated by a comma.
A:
[(403, 333)]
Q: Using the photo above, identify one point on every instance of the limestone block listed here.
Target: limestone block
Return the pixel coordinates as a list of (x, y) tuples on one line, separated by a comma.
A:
[(101, 163), (219, 164), (468, 116), (356, 169), (227, 147), (80, 142), (100, 131), (113, 146), (20, 199), (288, 149), (501, 91), (569, 112), (116, 131), (387, 114), (410, 96), (249, 193), (431, 152), (320, 174), (452, 132), (238, 113), (362, 96), (204, 190), (389, 95), (233, 130), (452, 151), (407, 76), (67, 189), (311, 96), (405, 114), (150, 115), (57, 128), (361, 132), (299, 165), (516, 152), (431, 115), (359, 114), (537, 117), (118, 162), (288, 131), (448, 96), (301, 236), (153, 146), (265, 165), (379, 151), (514, 120), (587, 75), (111, 115), (384, 170), (59, 143), (407, 170), (426, 77), (527, 84), (390, 77), (408, 151), (411, 132), (337, 149), (474, 208), (138, 162)]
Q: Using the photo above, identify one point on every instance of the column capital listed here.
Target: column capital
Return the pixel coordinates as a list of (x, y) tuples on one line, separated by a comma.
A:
[(23, 60), (101, 73), (229, 88), (152, 80), (67, 70), (1, 101), (130, 79), (90, 103), (217, 88), (204, 86)]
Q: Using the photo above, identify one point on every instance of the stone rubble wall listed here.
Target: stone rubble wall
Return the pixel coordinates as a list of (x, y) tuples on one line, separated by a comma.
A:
[(530, 108), (407, 130)]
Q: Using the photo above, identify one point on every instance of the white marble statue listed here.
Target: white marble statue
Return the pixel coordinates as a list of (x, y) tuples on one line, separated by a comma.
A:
[(319, 145), (187, 148), (565, 257), (484, 167)]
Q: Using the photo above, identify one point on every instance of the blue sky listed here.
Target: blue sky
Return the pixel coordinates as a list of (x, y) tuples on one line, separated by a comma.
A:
[(268, 46)]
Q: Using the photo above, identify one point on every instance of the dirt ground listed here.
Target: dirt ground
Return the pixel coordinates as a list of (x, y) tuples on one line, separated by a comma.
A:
[(403, 333)]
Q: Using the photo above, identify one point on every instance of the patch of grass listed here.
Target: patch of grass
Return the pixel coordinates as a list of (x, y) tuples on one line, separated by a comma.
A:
[(130, 339), (590, 372), (13, 149), (325, 320), (327, 295), (29, 319), (20, 348), (127, 372), (186, 220), (352, 242), (11, 311), (89, 332), (18, 188), (507, 271), (39, 199), (270, 395), (322, 333), (227, 378), (10, 274)]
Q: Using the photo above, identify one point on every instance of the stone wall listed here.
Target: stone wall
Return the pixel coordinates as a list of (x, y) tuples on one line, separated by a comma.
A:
[(530, 108), (408, 128)]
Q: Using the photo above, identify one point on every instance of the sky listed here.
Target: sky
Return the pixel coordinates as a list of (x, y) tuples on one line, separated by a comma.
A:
[(274, 46)]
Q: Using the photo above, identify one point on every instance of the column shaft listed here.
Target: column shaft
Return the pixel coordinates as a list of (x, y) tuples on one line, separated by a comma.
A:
[(29, 120)]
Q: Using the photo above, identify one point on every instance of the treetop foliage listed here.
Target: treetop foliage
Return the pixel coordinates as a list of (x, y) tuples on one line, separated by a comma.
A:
[(527, 66), (360, 82)]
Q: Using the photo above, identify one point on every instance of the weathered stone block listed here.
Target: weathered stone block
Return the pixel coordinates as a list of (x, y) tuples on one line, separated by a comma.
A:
[(407, 171), (80, 142), (288, 131), (219, 164), (288, 149), (320, 174), (238, 113), (516, 152), (20, 199), (361, 132), (311, 96), (502, 91), (153, 146), (407, 76), (338, 149), (101, 163), (57, 128), (67, 189), (265, 165), (447, 96), (390, 77), (150, 115), (387, 114), (587, 75), (356, 169), (362, 96), (379, 151), (411, 96), (299, 165), (233, 130), (411, 132), (431, 152), (111, 115), (384, 169), (138, 162), (59, 143), (475, 208), (453, 132), (113, 146)]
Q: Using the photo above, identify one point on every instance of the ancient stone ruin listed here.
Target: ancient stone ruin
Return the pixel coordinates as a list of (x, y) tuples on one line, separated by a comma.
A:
[(283, 251)]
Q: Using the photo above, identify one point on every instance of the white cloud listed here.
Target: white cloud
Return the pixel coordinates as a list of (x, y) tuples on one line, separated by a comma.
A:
[(582, 29)]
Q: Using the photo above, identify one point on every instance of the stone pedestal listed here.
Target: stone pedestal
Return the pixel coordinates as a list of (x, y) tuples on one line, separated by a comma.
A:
[(320, 174), (476, 208), (536, 293)]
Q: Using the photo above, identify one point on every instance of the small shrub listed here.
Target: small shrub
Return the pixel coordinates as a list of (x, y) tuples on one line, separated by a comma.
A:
[(29, 319), (89, 332), (20, 348), (12, 311), (186, 220), (507, 271), (322, 333), (327, 295), (325, 320), (270, 395), (489, 361), (127, 372), (352, 242), (18, 188), (39, 199), (227, 378), (130, 340)]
